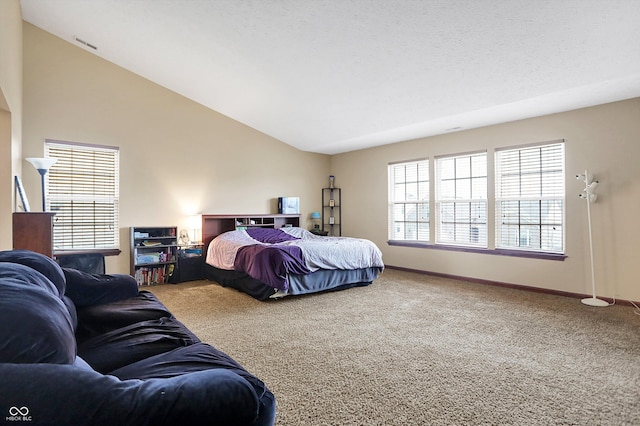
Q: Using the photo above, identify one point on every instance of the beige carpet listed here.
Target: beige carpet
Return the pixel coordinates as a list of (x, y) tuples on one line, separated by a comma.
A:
[(413, 349)]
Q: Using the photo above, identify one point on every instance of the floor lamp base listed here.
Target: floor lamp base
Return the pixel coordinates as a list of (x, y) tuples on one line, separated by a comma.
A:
[(594, 301)]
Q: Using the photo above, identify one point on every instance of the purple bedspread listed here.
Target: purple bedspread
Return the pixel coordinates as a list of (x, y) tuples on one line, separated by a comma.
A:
[(270, 236), (271, 264)]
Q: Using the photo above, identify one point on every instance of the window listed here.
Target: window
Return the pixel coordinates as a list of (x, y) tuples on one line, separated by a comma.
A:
[(530, 198), (409, 201), (83, 193), (461, 200)]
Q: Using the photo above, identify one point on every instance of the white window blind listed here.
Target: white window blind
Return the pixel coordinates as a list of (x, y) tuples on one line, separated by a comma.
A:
[(409, 201), (530, 194), (83, 190), (461, 200)]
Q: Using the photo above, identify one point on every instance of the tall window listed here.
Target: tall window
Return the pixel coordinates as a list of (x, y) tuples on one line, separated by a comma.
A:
[(83, 189), (409, 201), (461, 200), (530, 198)]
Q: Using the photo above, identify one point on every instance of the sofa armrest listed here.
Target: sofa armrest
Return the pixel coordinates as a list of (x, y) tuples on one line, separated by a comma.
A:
[(66, 394), (86, 289)]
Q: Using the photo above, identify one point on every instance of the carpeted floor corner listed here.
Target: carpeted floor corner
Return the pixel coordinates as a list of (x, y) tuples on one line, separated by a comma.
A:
[(413, 349)]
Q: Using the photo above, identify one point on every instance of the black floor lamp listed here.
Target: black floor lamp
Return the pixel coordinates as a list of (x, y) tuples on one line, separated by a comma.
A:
[(42, 165)]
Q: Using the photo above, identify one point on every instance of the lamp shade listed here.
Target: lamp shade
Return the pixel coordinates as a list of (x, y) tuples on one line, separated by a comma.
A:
[(315, 215), (42, 163)]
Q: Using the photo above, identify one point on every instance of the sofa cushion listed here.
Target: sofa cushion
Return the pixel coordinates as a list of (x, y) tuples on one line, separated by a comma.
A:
[(97, 289), (28, 277), (41, 263), (196, 357), (73, 313), (35, 325), (99, 319), (135, 342)]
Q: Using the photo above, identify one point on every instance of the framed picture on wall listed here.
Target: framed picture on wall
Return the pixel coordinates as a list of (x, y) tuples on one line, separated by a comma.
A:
[(23, 195)]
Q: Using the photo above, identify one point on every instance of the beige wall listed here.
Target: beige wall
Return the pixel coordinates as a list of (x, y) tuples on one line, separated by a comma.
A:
[(604, 139), (180, 158), (10, 112), (177, 157)]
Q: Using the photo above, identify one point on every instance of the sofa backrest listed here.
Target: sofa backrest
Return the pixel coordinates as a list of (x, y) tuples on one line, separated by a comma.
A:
[(35, 324), (41, 263)]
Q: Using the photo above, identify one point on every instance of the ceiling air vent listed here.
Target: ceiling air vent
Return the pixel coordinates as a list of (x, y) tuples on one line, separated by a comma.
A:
[(81, 41)]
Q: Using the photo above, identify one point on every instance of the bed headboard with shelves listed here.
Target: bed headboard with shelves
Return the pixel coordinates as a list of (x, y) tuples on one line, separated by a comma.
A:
[(215, 224)]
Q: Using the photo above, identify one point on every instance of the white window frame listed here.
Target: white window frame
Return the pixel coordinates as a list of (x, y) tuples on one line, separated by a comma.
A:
[(409, 193), (83, 191), (530, 198), (461, 200)]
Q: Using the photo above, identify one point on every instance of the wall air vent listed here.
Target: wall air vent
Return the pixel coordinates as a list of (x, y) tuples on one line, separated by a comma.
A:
[(79, 40)]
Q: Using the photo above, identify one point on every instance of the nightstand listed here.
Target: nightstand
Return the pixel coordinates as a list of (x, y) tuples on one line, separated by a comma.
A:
[(190, 263)]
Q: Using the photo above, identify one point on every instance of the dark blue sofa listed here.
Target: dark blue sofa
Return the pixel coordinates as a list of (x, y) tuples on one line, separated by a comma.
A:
[(83, 349)]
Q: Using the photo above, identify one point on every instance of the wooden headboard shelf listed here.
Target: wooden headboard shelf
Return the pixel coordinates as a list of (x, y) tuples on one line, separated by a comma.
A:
[(215, 224)]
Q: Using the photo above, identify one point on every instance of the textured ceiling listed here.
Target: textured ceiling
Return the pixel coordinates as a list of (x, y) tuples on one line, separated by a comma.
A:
[(331, 76)]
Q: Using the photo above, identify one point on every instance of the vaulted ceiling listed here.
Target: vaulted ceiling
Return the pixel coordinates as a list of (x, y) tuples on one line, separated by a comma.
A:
[(331, 76)]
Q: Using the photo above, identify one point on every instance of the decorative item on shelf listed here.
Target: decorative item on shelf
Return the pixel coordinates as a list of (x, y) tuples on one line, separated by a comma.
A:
[(588, 194), (23, 195), (331, 179), (42, 165), (183, 239), (315, 221)]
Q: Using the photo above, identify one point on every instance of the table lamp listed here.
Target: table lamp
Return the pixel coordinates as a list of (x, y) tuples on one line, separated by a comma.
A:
[(315, 220)]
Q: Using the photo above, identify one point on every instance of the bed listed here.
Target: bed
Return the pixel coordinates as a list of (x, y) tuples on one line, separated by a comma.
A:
[(269, 263)]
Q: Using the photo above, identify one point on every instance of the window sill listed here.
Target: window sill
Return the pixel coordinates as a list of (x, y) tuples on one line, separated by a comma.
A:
[(106, 252), (496, 252)]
